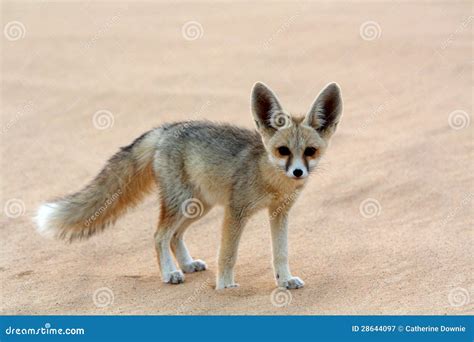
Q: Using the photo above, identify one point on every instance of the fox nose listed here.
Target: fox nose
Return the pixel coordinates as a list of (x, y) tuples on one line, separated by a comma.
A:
[(297, 172)]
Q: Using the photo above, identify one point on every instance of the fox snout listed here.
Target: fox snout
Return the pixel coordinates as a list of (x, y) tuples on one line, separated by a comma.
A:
[(296, 157), (297, 170), (298, 165), (298, 173)]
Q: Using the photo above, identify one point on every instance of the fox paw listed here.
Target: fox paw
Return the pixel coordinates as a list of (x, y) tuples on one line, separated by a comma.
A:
[(175, 277), (195, 266), (292, 283)]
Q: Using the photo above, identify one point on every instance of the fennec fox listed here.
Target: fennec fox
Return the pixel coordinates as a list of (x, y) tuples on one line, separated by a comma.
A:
[(197, 165)]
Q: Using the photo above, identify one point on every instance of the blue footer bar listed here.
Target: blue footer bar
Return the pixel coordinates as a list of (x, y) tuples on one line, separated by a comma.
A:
[(236, 328)]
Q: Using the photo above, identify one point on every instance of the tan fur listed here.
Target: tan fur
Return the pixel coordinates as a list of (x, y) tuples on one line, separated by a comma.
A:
[(206, 164)]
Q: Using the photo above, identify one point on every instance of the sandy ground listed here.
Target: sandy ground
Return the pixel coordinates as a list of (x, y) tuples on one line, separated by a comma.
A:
[(384, 228)]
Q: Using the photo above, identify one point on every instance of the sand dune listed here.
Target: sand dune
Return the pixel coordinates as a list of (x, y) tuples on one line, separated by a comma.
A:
[(385, 227)]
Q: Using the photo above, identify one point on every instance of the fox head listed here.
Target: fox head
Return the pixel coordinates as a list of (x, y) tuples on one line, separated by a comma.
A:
[(296, 144)]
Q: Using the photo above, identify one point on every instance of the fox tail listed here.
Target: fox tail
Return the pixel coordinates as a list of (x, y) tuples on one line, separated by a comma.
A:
[(125, 179)]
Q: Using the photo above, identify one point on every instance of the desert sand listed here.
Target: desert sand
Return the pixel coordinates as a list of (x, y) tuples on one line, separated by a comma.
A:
[(384, 228)]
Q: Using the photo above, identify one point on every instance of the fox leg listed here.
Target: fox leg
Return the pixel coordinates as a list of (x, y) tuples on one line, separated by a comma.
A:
[(234, 222), (279, 228), (163, 235), (185, 261)]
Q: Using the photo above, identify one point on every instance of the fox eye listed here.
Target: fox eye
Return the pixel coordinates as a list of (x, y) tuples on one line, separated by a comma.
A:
[(309, 151), (284, 151)]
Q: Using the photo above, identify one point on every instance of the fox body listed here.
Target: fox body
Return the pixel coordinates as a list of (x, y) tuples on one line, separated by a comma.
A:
[(197, 165)]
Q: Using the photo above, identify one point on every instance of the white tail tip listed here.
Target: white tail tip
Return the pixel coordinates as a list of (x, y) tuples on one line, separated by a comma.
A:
[(44, 220)]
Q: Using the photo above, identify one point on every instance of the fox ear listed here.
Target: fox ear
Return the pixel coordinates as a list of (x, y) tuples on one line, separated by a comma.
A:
[(326, 110), (266, 109)]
